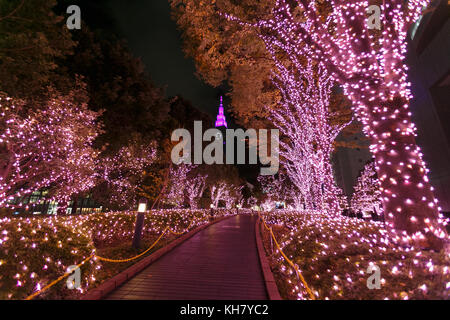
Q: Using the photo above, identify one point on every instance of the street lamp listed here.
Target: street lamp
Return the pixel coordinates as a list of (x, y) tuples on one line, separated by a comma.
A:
[(142, 207), (211, 212)]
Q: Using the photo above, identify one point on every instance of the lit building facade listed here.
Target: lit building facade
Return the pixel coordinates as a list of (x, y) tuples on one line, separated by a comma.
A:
[(37, 203)]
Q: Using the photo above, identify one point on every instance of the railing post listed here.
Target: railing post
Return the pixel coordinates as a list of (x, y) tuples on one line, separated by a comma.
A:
[(138, 230)]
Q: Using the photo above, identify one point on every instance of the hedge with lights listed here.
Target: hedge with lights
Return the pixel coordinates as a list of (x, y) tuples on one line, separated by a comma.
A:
[(37, 250), (333, 254), (34, 252)]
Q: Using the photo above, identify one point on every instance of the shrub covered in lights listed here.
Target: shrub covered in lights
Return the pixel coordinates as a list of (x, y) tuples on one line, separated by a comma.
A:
[(35, 251), (333, 254)]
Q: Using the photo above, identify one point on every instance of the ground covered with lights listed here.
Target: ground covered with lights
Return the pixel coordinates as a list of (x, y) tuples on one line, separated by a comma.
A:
[(331, 252), (34, 251), (334, 252)]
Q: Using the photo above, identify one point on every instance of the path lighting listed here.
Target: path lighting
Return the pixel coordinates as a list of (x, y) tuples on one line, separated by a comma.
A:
[(142, 208), (142, 205)]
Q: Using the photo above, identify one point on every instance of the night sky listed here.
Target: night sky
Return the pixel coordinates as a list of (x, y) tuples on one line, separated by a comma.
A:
[(153, 36)]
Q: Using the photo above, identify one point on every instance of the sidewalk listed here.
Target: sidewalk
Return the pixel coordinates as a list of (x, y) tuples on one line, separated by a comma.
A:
[(220, 262)]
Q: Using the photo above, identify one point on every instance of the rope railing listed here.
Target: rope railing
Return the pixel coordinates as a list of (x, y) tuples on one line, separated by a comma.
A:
[(289, 261), (135, 257), (51, 284), (35, 294)]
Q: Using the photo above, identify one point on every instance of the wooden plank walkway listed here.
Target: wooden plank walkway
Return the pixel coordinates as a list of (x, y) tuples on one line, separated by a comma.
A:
[(218, 263)]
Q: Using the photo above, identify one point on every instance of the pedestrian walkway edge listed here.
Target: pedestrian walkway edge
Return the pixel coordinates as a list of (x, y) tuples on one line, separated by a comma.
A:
[(113, 283), (271, 285)]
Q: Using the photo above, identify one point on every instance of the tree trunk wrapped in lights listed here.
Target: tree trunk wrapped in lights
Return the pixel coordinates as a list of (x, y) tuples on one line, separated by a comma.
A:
[(304, 119), (178, 183), (195, 189), (240, 198), (272, 188), (233, 195), (228, 198), (217, 193), (252, 202), (121, 175), (226, 192), (369, 64)]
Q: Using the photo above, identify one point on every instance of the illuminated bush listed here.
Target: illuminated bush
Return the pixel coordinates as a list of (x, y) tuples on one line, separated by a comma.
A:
[(333, 254), (37, 250)]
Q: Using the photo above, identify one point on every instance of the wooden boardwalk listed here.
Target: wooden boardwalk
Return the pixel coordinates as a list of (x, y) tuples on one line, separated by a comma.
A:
[(218, 263)]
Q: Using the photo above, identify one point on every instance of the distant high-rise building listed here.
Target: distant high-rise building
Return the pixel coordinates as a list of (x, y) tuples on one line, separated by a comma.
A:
[(220, 120)]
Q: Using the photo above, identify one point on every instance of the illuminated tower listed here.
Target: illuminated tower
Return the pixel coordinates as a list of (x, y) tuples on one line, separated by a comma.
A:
[(221, 121)]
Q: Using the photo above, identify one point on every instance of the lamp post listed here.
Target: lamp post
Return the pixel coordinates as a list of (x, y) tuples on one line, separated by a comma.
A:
[(142, 207), (211, 212)]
